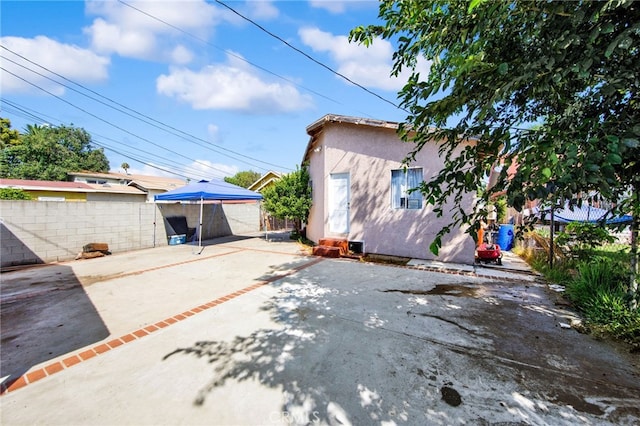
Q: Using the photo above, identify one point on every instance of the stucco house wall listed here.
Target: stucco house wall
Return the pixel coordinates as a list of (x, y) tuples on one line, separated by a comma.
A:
[(368, 153)]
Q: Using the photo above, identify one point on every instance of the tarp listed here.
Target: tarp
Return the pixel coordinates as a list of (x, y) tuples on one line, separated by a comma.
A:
[(585, 213), (210, 190)]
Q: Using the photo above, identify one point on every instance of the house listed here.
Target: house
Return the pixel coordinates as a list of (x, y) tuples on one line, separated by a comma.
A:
[(149, 185), (361, 194), (89, 186), (42, 190), (265, 181)]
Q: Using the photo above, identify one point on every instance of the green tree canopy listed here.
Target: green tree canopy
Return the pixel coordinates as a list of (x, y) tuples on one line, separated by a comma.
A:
[(49, 152), (289, 197), (8, 136), (498, 68), (243, 179)]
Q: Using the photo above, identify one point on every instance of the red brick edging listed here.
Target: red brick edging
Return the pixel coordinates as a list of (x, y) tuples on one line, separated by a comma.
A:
[(101, 348)]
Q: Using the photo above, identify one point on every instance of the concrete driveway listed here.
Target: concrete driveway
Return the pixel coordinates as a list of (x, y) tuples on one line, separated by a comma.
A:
[(255, 332)]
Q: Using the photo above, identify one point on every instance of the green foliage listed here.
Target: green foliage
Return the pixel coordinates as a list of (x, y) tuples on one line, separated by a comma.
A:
[(8, 136), (500, 204), (599, 292), (561, 273), (290, 197), (48, 153), (497, 67), (243, 179), (14, 194), (579, 237)]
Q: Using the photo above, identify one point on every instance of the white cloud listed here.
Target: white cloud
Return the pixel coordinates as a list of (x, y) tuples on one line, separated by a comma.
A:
[(333, 6), (199, 169), (181, 55), (214, 132), (262, 9), (212, 170), (72, 62), (135, 33), (341, 6), (231, 86), (369, 67)]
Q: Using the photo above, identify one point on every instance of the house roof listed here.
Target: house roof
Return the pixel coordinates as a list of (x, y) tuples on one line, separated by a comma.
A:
[(141, 181), (264, 180), (315, 128), (55, 186)]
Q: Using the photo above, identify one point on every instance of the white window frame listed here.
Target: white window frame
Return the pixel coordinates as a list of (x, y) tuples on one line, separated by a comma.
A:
[(402, 182)]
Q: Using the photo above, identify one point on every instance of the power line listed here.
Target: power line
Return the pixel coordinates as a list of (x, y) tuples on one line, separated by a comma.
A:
[(226, 51), (174, 131), (110, 123), (306, 55), (32, 114), (230, 53)]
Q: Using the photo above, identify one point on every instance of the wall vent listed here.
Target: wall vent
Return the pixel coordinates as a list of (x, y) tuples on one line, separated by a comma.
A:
[(356, 247)]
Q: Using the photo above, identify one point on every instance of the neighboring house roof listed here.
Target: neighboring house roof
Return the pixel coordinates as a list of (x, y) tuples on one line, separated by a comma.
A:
[(265, 180), (144, 182), (44, 185)]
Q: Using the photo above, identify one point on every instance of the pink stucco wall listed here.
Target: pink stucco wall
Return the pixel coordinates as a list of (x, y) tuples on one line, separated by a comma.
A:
[(368, 154)]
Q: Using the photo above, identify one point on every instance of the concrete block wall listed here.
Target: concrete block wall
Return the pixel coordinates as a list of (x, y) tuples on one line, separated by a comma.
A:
[(46, 231)]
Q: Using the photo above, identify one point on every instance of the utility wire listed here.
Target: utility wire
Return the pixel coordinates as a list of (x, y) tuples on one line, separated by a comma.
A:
[(228, 52), (31, 114), (108, 122), (306, 55), (174, 131)]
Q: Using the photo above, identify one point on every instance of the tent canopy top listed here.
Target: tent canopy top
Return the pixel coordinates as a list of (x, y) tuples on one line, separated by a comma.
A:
[(208, 190)]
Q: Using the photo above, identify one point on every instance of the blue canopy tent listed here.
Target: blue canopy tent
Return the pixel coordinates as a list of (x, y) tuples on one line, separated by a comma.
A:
[(585, 213), (210, 190)]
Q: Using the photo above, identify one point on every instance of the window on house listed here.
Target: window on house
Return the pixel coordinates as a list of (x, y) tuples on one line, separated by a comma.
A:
[(402, 181)]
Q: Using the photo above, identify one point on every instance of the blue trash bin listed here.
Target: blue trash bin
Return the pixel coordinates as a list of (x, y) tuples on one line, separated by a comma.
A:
[(505, 237)]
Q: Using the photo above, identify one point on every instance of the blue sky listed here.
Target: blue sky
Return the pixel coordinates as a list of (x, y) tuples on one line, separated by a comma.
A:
[(202, 92)]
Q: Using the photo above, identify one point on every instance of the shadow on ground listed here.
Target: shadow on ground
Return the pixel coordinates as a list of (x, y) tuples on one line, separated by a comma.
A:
[(38, 323), (414, 347)]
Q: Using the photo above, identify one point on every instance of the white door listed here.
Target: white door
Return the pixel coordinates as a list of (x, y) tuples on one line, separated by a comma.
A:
[(339, 203)]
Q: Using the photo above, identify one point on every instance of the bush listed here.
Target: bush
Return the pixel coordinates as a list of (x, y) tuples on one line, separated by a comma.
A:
[(14, 194), (580, 237), (598, 291)]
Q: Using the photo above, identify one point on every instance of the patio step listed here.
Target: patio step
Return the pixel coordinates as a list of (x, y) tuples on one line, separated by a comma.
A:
[(340, 243), (326, 251), (334, 247)]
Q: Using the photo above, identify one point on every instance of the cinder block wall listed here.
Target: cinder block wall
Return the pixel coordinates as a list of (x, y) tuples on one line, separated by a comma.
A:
[(42, 231)]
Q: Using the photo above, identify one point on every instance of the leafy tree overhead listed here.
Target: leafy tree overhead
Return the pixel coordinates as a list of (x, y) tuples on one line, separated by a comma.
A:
[(8, 136), (549, 86), (290, 197), (243, 179), (49, 152)]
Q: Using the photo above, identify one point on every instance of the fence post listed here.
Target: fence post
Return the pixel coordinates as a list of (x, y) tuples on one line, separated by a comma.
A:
[(551, 254)]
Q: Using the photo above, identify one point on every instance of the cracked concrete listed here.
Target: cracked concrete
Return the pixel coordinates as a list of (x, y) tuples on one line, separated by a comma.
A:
[(335, 342)]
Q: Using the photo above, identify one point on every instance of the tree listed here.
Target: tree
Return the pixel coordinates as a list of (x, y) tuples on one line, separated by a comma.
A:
[(8, 136), (125, 167), (500, 67), (243, 179), (49, 153), (14, 194), (290, 197)]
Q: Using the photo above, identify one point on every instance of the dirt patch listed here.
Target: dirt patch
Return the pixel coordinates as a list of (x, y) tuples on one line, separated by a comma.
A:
[(386, 260)]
